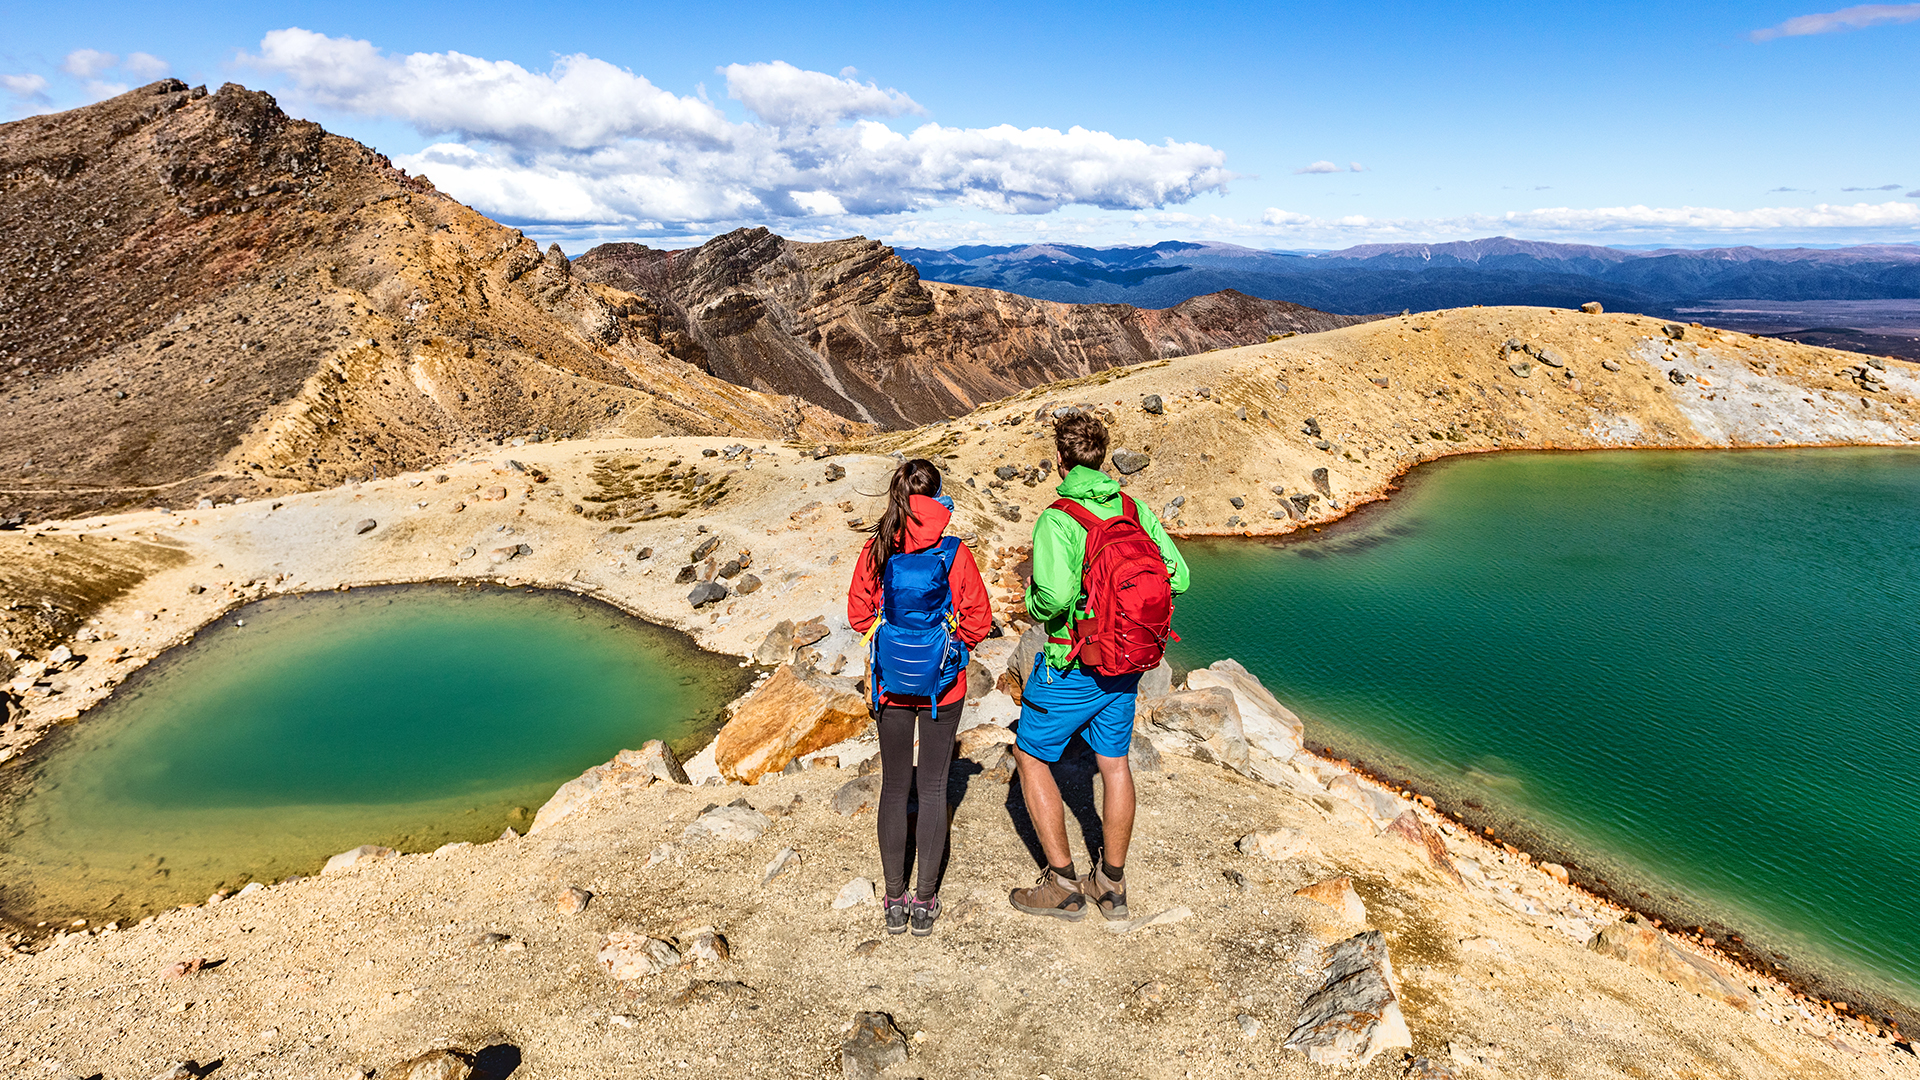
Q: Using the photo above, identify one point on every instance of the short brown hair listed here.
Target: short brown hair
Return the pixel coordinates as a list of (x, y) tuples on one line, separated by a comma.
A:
[(1081, 439)]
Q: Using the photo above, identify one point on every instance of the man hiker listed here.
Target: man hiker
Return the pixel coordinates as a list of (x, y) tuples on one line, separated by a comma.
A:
[(1106, 621)]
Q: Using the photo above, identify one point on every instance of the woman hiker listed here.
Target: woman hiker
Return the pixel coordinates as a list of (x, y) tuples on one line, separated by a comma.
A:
[(921, 594)]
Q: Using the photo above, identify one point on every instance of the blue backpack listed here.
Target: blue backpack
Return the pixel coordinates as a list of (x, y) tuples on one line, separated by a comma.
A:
[(914, 650)]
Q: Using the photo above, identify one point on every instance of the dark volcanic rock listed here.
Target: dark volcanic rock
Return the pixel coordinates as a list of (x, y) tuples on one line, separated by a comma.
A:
[(1127, 462)]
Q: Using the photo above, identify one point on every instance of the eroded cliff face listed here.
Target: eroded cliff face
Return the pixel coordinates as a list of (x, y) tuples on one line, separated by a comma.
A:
[(201, 295), (849, 325)]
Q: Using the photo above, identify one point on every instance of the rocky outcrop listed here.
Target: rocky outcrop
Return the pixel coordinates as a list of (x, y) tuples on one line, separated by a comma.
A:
[(200, 295), (1355, 1015), (1639, 944), (630, 769), (789, 716), (849, 325)]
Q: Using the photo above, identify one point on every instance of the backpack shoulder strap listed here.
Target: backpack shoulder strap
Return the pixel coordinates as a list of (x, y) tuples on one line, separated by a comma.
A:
[(949, 550), (1128, 508), (1080, 514)]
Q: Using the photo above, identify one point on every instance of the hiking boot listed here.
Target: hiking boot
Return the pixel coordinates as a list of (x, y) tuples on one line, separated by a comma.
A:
[(1106, 894), (896, 909), (921, 914), (1052, 895)]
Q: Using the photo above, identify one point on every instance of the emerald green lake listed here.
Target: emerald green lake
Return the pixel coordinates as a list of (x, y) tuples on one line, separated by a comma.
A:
[(1694, 675), (409, 716)]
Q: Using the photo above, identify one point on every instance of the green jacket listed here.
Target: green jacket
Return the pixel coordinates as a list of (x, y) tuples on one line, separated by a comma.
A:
[(1059, 545)]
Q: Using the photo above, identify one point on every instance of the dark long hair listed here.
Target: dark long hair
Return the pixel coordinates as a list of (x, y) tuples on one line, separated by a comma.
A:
[(915, 477)]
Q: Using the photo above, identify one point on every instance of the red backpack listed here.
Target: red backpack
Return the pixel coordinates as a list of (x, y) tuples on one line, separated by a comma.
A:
[(1126, 615)]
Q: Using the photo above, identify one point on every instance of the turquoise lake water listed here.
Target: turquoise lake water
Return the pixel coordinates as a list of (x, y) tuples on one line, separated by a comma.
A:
[(408, 717), (1695, 675)]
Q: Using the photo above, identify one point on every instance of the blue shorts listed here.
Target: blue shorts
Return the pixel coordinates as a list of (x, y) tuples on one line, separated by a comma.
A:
[(1057, 704)]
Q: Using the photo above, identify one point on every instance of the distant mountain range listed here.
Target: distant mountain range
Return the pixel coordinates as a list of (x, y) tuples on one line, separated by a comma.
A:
[(1377, 278)]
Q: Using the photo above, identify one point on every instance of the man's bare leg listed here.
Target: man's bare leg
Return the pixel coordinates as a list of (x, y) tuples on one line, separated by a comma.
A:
[(1116, 808), (1048, 811)]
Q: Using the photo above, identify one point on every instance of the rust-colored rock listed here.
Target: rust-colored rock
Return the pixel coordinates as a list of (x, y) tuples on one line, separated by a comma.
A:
[(1010, 684), (1336, 893), (787, 717), (1410, 828)]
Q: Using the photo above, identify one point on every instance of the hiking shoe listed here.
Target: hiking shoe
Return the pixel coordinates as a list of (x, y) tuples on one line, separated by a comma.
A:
[(922, 913), (1106, 894), (1052, 895), (896, 908)]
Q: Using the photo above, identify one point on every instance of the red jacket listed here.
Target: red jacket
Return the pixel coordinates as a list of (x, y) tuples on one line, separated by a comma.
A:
[(970, 606)]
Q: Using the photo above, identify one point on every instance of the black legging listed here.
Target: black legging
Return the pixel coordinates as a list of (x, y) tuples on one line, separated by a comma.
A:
[(897, 775)]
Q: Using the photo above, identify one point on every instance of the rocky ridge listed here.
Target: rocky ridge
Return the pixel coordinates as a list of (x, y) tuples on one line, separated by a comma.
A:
[(849, 325)]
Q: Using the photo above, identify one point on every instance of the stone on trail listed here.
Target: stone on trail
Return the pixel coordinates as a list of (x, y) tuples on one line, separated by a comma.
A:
[(787, 860), (1336, 893), (1410, 827), (707, 592), (1521, 368), (627, 955), (788, 716), (1278, 845), (450, 1063), (629, 769), (687, 575), (705, 946), (727, 824), (1355, 1015), (748, 583), (812, 630), (855, 892), (1264, 722), (1152, 403), (1127, 462), (180, 969), (1610, 365), (1550, 356), (366, 525), (873, 1046), (572, 900), (1641, 945), (1592, 307), (704, 549), (363, 855), (777, 647), (857, 794)]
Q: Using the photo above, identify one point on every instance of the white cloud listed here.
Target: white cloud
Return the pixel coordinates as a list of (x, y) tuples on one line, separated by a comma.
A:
[(1356, 167), (26, 88), (1882, 187), (1831, 22), (590, 143), (1607, 224), (145, 65), (87, 63), (787, 96), (1317, 167)]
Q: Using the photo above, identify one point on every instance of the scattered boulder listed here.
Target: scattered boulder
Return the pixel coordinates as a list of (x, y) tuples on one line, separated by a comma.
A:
[(365, 526), (1278, 845), (1152, 404), (1591, 307), (704, 549), (1674, 331), (1379, 807), (1336, 893), (777, 646), (812, 630), (1323, 481), (736, 823), (1009, 684), (449, 1063), (1521, 368), (787, 860), (494, 494), (572, 900), (654, 762), (1355, 1015), (1127, 462), (835, 472), (857, 794), (705, 946), (1238, 502), (1550, 356), (1006, 472), (874, 1046), (1208, 719), (855, 892), (1409, 827), (979, 682), (363, 855), (1264, 722), (983, 743), (730, 569), (707, 592), (790, 715), (748, 583), (1032, 643), (1641, 945), (687, 575), (627, 955)]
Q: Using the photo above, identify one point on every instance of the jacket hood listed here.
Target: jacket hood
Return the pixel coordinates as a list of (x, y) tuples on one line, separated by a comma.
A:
[(925, 532), (1089, 484)]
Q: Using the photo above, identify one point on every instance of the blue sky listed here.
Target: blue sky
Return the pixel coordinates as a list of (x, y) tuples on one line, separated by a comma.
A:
[(1274, 126)]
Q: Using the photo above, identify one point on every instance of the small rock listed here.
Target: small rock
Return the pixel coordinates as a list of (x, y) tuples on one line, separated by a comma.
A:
[(704, 549), (1522, 368), (1557, 872), (1610, 365), (748, 583), (450, 1063), (1425, 1068), (627, 955), (1249, 1025), (1203, 392), (179, 1070), (704, 946), (786, 861), (1591, 307), (1550, 356), (812, 630), (1278, 845), (874, 1046), (1238, 502), (1006, 472), (867, 947), (1010, 512), (1322, 481), (835, 472), (777, 647), (1311, 427), (1674, 331), (1678, 377), (857, 794), (180, 969), (727, 824), (468, 552), (855, 892), (643, 554), (730, 569), (366, 525), (1241, 412), (707, 592), (494, 494), (1009, 684), (1355, 1015), (572, 900), (363, 855), (1336, 893), (1152, 403), (979, 682), (1127, 462)]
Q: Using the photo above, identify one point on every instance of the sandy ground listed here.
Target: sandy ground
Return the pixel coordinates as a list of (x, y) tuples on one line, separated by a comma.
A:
[(373, 967)]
